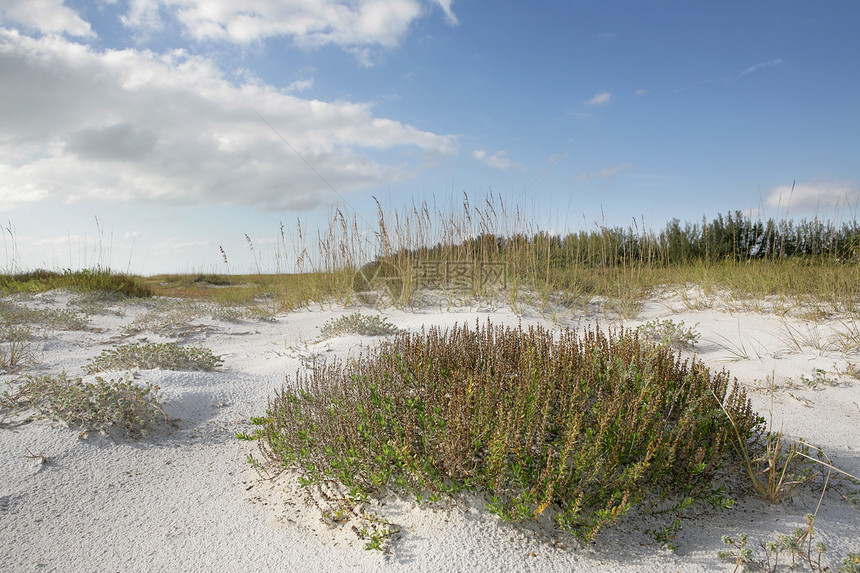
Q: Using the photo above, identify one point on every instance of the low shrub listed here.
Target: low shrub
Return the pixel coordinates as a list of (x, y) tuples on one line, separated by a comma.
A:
[(357, 323), (669, 333), (92, 406), (589, 425), (149, 355)]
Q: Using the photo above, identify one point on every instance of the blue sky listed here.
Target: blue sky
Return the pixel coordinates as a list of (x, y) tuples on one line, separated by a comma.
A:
[(136, 133)]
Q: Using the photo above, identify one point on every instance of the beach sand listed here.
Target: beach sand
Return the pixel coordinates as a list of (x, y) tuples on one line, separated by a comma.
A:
[(185, 499)]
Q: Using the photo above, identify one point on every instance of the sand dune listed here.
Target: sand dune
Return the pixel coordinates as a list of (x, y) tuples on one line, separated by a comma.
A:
[(184, 498)]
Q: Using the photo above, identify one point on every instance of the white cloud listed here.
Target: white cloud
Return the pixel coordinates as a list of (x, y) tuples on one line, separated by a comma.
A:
[(134, 126), (24, 194), (813, 196), (498, 160), (599, 99), (607, 173), (449, 14), (355, 24), (641, 92), (46, 16), (300, 85), (143, 14), (768, 64)]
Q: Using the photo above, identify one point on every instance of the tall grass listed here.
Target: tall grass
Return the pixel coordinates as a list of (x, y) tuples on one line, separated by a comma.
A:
[(491, 248)]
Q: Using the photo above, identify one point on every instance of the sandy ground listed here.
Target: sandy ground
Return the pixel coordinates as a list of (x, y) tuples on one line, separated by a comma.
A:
[(184, 498)]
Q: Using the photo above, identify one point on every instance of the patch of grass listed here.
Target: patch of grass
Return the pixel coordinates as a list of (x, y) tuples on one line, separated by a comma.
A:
[(149, 355), (15, 353), (288, 291), (847, 338), (85, 280), (488, 249), (93, 406), (235, 313), (586, 426)]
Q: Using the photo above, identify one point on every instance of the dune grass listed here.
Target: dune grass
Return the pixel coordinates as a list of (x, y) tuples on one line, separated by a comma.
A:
[(84, 280), (465, 252), (494, 250)]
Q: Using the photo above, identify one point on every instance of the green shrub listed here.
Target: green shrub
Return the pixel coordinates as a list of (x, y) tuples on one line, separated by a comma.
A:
[(99, 405), (149, 355), (357, 323), (590, 425), (669, 333)]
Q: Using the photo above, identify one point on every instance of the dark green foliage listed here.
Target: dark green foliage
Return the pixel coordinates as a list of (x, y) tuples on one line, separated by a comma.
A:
[(732, 237), (589, 425)]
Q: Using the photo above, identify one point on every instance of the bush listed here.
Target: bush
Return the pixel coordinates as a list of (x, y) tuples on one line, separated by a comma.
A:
[(669, 333), (149, 355), (99, 405), (357, 323), (589, 425)]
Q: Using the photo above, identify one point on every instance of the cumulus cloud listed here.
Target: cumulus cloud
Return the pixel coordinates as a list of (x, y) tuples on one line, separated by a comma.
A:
[(498, 160), (45, 16), (607, 174), (599, 99), (354, 24), (132, 126), (813, 196)]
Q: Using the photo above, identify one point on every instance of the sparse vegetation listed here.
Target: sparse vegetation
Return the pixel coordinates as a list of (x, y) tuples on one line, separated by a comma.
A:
[(50, 318), (800, 546), (492, 250)]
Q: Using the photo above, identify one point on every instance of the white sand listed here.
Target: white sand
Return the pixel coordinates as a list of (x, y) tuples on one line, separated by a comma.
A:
[(184, 498)]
